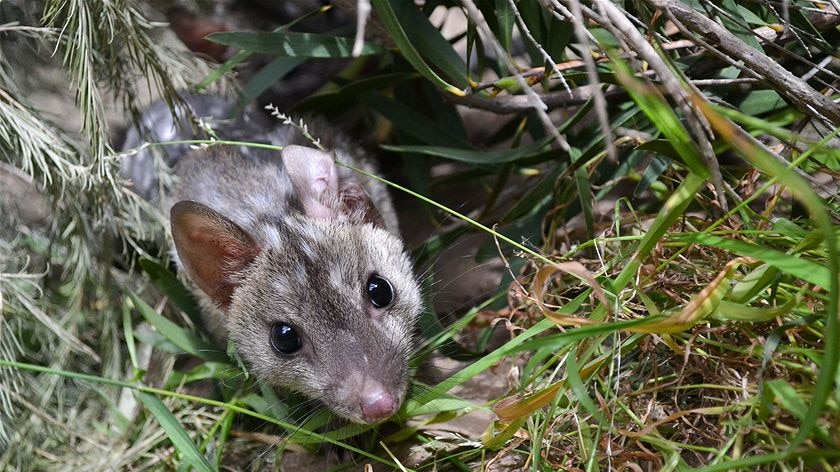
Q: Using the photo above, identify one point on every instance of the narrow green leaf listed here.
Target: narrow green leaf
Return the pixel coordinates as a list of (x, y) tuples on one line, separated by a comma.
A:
[(219, 72), (662, 115), (268, 76), (788, 397), (750, 17), (241, 56), (661, 146), (477, 157), (727, 310), (504, 20), (116, 417), (753, 283), (560, 34), (445, 403), (657, 166), (429, 42), (760, 102), (186, 448), (412, 404), (204, 371), (293, 44), (311, 436), (185, 340), (802, 191), (441, 338), (338, 99), (534, 18), (128, 333), (413, 123), (773, 459), (169, 284), (500, 439), (584, 191), (668, 215), (795, 265), (736, 24), (558, 341), (575, 381), (389, 19)]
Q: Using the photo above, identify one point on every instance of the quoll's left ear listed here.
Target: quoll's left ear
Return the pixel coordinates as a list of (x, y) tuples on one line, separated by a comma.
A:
[(314, 177), (213, 249)]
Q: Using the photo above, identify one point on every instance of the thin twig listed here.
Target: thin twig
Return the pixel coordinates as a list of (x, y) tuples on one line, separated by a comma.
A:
[(362, 16), (525, 31), (536, 103)]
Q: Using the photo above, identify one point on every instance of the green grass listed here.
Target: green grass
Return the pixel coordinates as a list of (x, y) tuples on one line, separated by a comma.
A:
[(684, 322)]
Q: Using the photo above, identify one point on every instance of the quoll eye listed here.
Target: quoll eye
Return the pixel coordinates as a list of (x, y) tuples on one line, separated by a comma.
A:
[(380, 291), (284, 338)]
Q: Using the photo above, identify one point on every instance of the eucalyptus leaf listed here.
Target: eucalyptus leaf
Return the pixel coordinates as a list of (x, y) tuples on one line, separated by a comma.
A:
[(290, 44)]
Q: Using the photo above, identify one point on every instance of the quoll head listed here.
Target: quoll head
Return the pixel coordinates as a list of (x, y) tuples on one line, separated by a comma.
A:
[(322, 302)]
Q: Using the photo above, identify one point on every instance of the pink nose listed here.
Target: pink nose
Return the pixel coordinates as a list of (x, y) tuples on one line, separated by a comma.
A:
[(377, 406)]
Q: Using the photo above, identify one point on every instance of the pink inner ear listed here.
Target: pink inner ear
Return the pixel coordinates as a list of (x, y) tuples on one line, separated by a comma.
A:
[(219, 261), (213, 249)]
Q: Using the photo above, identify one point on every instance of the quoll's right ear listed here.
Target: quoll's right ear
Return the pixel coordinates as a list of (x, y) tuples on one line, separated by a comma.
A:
[(315, 180), (212, 249)]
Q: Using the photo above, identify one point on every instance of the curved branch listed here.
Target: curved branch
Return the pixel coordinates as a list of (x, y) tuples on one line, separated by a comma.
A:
[(506, 104)]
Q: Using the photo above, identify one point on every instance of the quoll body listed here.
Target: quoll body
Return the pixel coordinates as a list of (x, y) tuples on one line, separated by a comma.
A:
[(298, 261)]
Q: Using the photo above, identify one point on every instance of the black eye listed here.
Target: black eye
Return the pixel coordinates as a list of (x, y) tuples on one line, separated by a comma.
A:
[(284, 339), (380, 291)]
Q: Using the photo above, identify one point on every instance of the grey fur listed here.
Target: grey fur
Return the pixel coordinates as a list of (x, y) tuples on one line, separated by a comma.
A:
[(308, 271)]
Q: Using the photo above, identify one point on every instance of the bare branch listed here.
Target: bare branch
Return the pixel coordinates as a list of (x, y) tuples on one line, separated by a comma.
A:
[(800, 94)]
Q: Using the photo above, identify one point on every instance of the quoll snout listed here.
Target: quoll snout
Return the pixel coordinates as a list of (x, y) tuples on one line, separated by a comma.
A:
[(375, 402), (378, 408), (369, 401)]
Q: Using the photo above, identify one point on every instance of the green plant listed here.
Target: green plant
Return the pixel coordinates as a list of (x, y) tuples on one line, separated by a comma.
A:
[(689, 320)]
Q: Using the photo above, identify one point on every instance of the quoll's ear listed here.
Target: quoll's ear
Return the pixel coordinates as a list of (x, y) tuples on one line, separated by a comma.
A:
[(213, 249), (315, 179)]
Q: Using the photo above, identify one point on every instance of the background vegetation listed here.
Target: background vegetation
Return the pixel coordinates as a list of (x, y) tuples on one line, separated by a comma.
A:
[(658, 176)]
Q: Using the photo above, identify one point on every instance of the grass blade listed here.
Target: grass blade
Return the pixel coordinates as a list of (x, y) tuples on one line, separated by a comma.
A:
[(476, 157), (169, 284), (185, 340), (795, 265), (803, 192), (186, 448)]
